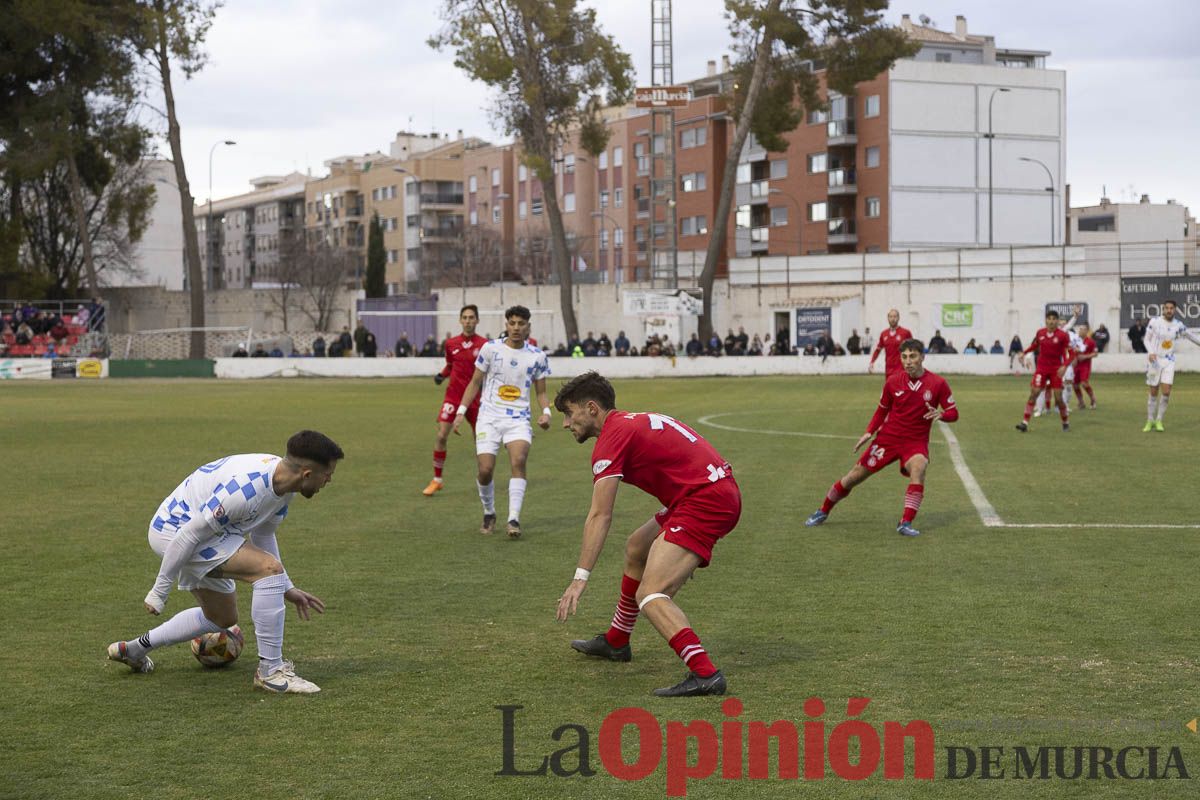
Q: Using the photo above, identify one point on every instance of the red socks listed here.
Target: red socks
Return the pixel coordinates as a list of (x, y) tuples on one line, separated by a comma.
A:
[(626, 614), (439, 462), (1028, 411), (836, 493), (686, 645), (912, 501)]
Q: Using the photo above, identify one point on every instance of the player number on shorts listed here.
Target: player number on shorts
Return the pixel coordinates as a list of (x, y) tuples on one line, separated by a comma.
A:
[(659, 421)]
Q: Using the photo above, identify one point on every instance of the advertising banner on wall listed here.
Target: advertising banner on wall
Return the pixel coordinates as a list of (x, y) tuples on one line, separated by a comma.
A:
[(1067, 309), (811, 324), (46, 368), (958, 315), (1142, 297), (13, 369)]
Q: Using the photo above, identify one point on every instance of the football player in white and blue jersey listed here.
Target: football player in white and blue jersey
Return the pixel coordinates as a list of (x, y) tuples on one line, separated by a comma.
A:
[(1161, 334), (507, 371), (219, 526)]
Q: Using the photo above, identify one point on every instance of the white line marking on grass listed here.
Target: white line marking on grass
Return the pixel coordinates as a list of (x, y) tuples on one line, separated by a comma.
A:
[(1123, 525), (987, 514), (708, 420)]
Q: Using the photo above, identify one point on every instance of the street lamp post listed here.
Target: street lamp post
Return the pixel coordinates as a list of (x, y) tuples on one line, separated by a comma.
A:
[(209, 222), (1050, 189), (990, 137), (799, 216)]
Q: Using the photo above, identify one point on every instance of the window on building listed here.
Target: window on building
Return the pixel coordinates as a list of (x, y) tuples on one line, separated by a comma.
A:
[(871, 107), (602, 163), (412, 255), (569, 202), (1097, 224), (693, 137), (779, 216), (536, 206), (694, 182), (603, 238), (412, 220), (393, 256), (778, 169), (474, 217), (618, 197), (817, 117), (742, 217), (496, 215), (818, 212), (604, 199), (522, 209), (618, 156), (872, 156), (817, 162), (618, 237), (872, 207), (569, 164), (495, 177), (472, 184), (743, 173), (522, 172), (941, 58), (660, 144), (412, 189)]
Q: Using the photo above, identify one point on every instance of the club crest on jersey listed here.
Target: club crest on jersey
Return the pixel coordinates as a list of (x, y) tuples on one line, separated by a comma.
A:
[(508, 393), (928, 395), (601, 465), (512, 363)]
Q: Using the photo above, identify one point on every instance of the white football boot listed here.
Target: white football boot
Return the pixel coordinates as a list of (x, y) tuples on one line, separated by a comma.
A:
[(118, 651), (284, 680)]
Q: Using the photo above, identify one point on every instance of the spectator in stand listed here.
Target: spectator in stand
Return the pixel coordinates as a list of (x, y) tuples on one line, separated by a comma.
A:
[(810, 349), (768, 347), (825, 345), (360, 337), (730, 343), (743, 341), (604, 343), (404, 348), (50, 353), (782, 345), (345, 343), (621, 344), (24, 333), (653, 346), (1137, 332), (560, 351), (854, 344), (430, 348), (936, 343), (241, 351), (971, 349), (577, 352), (694, 348), (39, 323), (259, 351), (59, 331), (997, 348), (276, 352), (948, 349), (756, 347), (589, 345), (1101, 337), (714, 345), (867, 341), (318, 350), (668, 349), (1015, 348), (371, 347), (82, 314)]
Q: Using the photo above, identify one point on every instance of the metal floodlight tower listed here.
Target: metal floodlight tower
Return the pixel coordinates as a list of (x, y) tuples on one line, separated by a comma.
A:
[(663, 186)]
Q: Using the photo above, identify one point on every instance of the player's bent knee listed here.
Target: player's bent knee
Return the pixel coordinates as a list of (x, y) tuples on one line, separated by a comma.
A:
[(225, 619), (269, 568), (645, 598)]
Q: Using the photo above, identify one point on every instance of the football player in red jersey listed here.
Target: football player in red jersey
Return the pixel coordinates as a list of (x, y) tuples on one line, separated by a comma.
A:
[(1054, 354), (461, 352), (672, 462), (911, 401), (889, 342), (1083, 366)]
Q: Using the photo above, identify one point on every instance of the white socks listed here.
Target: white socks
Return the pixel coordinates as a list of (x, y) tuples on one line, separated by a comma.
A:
[(187, 624), (516, 496), (1163, 399), (267, 611), (1151, 407), (487, 495)]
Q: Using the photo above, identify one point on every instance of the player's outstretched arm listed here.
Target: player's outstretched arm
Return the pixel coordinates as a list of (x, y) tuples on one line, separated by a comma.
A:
[(304, 602), (540, 388), (177, 554), (469, 395), (595, 531), (1192, 336)]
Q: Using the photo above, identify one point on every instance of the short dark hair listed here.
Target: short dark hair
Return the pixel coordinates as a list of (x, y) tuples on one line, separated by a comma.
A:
[(471, 307), (588, 386), (1172, 302), (1052, 313), (517, 311), (912, 344), (313, 446)]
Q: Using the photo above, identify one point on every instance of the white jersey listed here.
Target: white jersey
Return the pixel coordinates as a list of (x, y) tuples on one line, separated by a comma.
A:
[(232, 495), (1161, 337), (510, 374)]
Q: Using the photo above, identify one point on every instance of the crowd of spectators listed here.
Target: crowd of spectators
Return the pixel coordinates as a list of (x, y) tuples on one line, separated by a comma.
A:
[(48, 332)]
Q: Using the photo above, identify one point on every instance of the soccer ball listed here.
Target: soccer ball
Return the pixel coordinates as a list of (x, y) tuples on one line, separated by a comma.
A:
[(218, 649)]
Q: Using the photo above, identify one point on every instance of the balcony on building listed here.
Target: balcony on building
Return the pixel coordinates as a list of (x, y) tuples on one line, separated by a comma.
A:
[(449, 231), (843, 181), (841, 231), (841, 132), (759, 239), (441, 193)]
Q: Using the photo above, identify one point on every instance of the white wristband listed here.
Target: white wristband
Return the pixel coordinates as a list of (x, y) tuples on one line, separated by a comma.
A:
[(462, 410), (546, 410), (582, 574)]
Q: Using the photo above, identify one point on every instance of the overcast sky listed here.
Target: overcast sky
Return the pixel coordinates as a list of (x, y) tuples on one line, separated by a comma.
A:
[(298, 82)]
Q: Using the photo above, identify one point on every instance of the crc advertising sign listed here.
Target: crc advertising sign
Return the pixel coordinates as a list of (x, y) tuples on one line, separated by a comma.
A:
[(811, 324), (958, 315), (1142, 298)]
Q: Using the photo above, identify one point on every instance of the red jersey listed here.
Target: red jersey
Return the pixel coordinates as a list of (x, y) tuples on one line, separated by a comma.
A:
[(1089, 347), (1053, 349), (889, 342), (461, 352), (657, 454), (906, 401)]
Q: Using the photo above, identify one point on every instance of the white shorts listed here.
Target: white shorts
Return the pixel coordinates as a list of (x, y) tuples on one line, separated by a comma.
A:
[(1160, 371), (491, 433), (1069, 375), (211, 553)]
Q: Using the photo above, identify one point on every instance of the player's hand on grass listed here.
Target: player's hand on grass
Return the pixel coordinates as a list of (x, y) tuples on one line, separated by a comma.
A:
[(544, 422), (304, 602), (570, 600), (866, 437)]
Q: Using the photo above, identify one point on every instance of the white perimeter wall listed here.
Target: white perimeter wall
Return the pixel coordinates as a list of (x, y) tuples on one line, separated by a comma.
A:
[(938, 160)]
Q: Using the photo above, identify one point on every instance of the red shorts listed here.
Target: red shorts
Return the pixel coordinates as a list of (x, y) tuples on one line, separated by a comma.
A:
[(450, 411), (1044, 378), (699, 520), (882, 452), (1083, 372)]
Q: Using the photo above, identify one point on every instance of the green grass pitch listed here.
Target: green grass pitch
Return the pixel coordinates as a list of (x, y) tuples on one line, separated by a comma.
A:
[(995, 636)]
